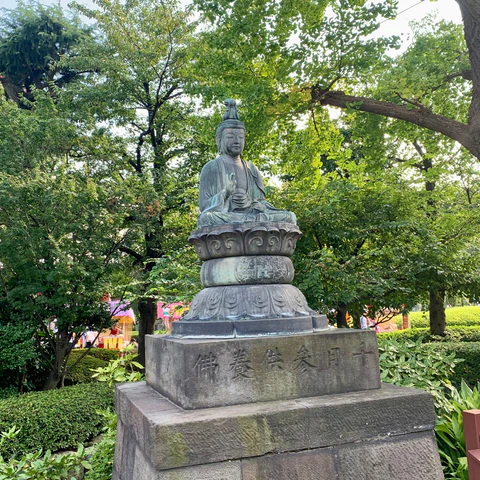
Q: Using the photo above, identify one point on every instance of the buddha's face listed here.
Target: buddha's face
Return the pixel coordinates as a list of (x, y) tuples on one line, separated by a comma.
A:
[(233, 141)]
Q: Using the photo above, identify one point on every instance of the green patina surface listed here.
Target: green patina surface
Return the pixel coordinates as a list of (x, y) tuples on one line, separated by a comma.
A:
[(177, 449), (255, 432)]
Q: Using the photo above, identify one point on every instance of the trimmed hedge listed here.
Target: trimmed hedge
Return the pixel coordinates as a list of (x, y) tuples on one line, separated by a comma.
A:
[(100, 353), (458, 316), (81, 372), (469, 369), (453, 334), (55, 419)]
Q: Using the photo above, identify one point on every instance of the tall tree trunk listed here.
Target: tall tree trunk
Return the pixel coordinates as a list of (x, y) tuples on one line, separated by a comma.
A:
[(55, 376), (471, 26), (148, 316), (438, 321), (342, 316)]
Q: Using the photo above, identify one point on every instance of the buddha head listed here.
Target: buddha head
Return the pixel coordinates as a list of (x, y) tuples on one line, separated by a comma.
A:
[(230, 136)]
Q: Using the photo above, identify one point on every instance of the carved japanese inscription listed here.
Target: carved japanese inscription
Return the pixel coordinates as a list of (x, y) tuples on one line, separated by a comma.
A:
[(333, 357), (273, 360), (207, 367), (261, 268), (303, 360), (241, 366), (363, 354)]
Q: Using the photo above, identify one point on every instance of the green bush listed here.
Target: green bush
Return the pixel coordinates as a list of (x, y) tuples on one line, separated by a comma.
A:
[(81, 371), (55, 419), (35, 466), (469, 368), (100, 353), (449, 431), (102, 458), (8, 392), (453, 334), (417, 365), (459, 316)]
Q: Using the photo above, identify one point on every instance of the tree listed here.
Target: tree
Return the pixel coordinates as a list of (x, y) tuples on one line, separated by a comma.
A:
[(356, 222), (143, 62), (33, 38), (62, 222), (335, 61), (446, 220), (60, 247), (416, 109)]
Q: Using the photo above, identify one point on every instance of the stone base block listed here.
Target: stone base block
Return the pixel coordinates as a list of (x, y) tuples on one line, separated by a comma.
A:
[(210, 373), (376, 435)]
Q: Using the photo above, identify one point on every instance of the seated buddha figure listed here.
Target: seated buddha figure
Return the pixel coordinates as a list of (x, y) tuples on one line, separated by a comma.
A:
[(231, 190)]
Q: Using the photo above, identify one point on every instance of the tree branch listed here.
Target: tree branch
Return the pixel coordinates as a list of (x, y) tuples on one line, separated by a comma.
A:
[(133, 253), (418, 116)]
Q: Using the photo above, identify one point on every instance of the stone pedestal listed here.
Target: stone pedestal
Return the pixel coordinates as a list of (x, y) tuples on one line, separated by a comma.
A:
[(378, 434), (212, 373), (252, 384)]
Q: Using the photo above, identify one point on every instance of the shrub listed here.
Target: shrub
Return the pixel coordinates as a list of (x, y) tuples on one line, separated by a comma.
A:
[(34, 466), (123, 369), (449, 431), (469, 368), (453, 334), (413, 364), (81, 371), (459, 316), (55, 419), (100, 353), (102, 458), (8, 392)]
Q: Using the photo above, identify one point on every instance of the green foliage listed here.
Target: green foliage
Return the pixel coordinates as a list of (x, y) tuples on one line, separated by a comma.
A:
[(80, 371), (54, 420), (102, 458), (123, 369), (61, 235), (452, 334), (449, 431), (456, 316), (33, 37), (35, 466), (469, 354), (18, 356), (101, 353), (413, 364), (7, 392)]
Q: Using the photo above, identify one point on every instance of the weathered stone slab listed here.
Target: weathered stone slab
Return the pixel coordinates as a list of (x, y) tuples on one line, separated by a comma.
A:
[(139, 467), (316, 464), (406, 457), (209, 373), (171, 437)]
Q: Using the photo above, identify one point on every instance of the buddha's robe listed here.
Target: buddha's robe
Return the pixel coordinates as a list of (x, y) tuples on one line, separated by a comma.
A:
[(243, 204)]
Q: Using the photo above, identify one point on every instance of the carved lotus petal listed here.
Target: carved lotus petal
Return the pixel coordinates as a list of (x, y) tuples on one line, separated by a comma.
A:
[(251, 238)]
